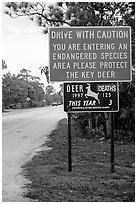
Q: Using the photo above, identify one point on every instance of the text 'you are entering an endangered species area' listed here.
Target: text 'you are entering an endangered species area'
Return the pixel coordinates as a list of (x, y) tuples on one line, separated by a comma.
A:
[(90, 54)]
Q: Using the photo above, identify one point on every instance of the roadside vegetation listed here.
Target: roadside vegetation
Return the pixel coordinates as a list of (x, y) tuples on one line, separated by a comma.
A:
[(26, 91), (91, 178)]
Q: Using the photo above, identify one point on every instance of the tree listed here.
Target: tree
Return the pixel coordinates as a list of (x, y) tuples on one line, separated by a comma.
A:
[(50, 89), (74, 13), (24, 74), (4, 65), (16, 89), (12, 90), (125, 118), (45, 70)]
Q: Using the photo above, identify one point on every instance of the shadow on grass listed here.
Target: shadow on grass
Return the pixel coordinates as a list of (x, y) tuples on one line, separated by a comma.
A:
[(6, 111), (90, 179)]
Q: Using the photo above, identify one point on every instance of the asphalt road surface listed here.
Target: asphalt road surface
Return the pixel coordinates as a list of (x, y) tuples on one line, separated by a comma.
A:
[(23, 132)]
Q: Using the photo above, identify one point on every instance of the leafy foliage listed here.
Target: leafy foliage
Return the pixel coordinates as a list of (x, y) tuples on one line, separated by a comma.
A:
[(4, 65), (24, 90), (16, 90), (45, 70), (50, 89), (125, 118)]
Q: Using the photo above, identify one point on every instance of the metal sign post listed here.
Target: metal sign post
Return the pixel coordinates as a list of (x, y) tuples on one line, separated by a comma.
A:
[(69, 143), (112, 143)]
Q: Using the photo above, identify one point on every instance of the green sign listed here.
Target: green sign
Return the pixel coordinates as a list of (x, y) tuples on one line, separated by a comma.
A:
[(90, 54), (91, 97)]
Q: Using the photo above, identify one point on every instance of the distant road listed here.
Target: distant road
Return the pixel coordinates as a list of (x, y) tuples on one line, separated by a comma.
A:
[(23, 132)]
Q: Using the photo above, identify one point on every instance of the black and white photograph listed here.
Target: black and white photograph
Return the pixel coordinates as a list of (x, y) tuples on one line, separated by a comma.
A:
[(68, 101)]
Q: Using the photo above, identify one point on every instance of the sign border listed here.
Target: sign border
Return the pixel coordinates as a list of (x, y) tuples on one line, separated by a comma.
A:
[(116, 27), (82, 111)]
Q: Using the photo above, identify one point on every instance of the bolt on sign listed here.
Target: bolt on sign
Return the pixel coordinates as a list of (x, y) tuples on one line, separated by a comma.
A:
[(94, 97), (90, 53)]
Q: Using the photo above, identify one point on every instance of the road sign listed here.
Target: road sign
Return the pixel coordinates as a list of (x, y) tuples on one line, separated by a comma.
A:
[(90, 54), (28, 99), (91, 97)]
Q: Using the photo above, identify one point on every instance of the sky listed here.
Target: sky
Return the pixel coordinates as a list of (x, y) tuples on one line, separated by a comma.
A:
[(24, 46)]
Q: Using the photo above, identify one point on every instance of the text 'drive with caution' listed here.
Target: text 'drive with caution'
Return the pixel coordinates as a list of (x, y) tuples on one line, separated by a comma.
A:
[(90, 54)]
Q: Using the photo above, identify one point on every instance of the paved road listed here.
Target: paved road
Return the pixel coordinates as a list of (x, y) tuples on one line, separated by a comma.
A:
[(23, 132)]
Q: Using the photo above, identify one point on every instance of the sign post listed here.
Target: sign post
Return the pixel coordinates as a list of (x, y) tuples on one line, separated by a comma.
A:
[(69, 144), (112, 143)]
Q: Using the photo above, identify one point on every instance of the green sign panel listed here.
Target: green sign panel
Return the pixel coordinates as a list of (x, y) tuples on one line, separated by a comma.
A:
[(91, 97), (90, 54)]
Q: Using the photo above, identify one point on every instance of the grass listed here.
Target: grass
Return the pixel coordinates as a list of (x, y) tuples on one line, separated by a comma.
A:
[(90, 179)]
